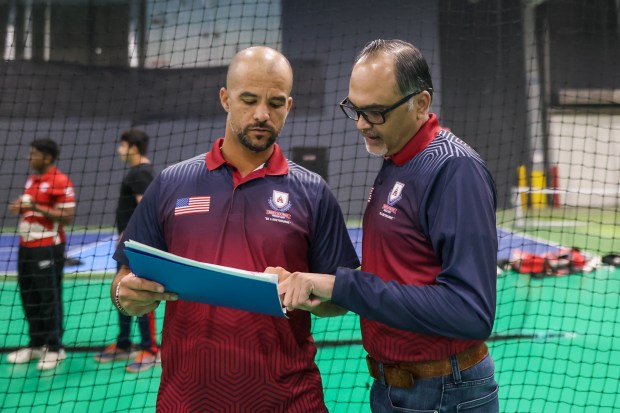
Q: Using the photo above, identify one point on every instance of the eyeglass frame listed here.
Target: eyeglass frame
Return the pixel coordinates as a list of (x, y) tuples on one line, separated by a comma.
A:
[(383, 112)]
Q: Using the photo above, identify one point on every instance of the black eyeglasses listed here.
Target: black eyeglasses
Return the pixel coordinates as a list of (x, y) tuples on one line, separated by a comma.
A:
[(374, 117)]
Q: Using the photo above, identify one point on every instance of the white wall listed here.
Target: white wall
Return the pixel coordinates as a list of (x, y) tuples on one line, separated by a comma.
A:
[(585, 144)]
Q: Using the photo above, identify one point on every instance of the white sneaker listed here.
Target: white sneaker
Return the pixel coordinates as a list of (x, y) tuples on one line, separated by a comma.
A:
[(24, 355), (51, 359)]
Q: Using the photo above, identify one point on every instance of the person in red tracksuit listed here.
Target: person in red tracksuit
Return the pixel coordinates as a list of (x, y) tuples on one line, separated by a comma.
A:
[(47, 204)]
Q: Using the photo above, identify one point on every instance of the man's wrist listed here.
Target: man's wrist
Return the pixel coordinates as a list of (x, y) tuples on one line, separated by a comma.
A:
[(117, 302), (324, 286)]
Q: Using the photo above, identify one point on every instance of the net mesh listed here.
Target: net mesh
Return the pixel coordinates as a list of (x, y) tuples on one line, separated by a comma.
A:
[(531, 85)]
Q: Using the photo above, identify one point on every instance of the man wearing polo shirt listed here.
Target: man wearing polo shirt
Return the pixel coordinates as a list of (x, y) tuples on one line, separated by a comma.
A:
[(253, 208), (48, 203), (426, 292)]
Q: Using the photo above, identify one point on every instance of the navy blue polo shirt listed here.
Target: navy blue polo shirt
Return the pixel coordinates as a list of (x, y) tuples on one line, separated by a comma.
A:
[(221, 359), (429, 252)]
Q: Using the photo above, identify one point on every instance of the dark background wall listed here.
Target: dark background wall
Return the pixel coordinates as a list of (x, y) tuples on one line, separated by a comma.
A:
[(474, 50), (483, 78), (584, 46)]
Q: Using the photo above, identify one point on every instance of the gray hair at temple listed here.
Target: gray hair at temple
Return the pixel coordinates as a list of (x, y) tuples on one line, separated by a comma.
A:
[(411, 69)]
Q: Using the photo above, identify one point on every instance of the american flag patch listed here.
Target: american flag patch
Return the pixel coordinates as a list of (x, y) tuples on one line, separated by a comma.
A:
[(192, 205)]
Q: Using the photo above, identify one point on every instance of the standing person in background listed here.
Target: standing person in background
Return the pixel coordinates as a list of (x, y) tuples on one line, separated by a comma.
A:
[(243, 205), (426, 292), (47, 204), (132, 150)]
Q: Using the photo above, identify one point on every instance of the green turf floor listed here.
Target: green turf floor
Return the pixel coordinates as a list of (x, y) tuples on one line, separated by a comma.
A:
[(594, 230), (556, 345)]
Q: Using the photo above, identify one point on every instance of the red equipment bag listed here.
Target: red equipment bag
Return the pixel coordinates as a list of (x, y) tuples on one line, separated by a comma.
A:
[(563, 262)]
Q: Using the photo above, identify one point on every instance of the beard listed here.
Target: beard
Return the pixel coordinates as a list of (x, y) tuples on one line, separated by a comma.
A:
[(378, 151), (259, 145)]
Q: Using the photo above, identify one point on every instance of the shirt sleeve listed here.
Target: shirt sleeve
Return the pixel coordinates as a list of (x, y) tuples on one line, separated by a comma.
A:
[(145, 225), (331, 245), (139, 181), (458, 216), (63, 192)]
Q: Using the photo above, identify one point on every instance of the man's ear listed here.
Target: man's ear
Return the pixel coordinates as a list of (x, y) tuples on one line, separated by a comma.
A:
[(289, 104), (423, 102), (224, 99), (131, 149)]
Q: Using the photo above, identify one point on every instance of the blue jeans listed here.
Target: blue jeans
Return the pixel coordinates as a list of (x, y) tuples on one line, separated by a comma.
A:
[(473, 390)]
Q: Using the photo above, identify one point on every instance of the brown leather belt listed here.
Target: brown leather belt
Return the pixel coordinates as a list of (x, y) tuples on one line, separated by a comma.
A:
[(404, 374)]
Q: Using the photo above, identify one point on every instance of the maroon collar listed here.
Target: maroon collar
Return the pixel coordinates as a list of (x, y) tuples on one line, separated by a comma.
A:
[(275, 165), (418, 142)]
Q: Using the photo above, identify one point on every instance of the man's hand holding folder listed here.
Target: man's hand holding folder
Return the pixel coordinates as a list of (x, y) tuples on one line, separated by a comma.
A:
[(137, 296)]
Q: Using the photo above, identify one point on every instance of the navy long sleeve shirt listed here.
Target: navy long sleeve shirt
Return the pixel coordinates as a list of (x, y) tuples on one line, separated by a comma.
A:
[(429, 252)]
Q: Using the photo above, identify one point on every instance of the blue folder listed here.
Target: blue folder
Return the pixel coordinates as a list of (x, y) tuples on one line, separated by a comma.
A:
[(193, 281)]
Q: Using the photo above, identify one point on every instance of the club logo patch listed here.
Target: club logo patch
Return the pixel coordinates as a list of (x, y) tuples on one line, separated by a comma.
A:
[(279, 201), (280, 205), (396, 193)]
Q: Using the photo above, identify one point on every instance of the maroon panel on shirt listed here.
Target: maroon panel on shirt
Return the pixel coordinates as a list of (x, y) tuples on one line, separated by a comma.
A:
[(392, 219), (222, 359)]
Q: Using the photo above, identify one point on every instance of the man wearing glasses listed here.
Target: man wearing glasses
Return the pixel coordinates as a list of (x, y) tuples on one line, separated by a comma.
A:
[(426, 291)]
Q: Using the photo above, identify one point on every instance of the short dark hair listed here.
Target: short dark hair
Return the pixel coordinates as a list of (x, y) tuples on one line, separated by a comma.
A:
[(411, 69), (47, 147), (137, 138)]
